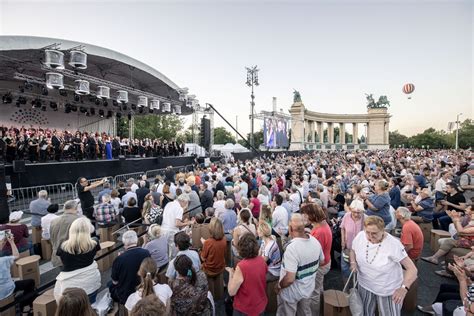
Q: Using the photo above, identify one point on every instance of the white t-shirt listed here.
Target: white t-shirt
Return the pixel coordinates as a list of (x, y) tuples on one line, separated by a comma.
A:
[(162, 291), (299, 253), (171, 213), (134, 187), (219, 207), (280, 220), (46, 224), (116, 203), (264, 199), (385, 274), (440, 185), (295, 201)]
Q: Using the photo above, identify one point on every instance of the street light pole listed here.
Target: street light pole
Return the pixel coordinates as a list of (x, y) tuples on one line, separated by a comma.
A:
[(252, 80), (457, 130)]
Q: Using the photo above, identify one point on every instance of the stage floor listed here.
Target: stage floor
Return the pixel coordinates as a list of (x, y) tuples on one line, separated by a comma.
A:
[(69, 171)]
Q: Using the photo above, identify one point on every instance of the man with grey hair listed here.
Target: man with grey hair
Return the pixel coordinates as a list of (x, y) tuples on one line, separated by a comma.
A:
[(105, 213), (411, 236), (59, 230), (39, 208), (228, 218), (173, 220), (125, 268), (141, 193), (194, 202)]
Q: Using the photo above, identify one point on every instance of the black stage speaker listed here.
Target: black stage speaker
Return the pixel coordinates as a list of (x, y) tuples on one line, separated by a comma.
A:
[(4, 211), (19, 166)]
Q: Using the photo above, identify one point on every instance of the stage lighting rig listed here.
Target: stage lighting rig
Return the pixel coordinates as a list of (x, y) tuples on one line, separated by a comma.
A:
[(97, 101), (77, 98), (63, 92), (53, 105), (101, 113), (44, 91), (105, 103)]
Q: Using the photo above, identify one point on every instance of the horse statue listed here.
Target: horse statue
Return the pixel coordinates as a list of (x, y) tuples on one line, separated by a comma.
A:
[(383, 102), (296, 96), (370, 101)]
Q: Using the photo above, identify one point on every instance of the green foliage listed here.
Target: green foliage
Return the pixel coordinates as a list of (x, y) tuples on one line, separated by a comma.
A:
[(164, 127), (432, 138), (258, 139), (223, 136), (397, 140)]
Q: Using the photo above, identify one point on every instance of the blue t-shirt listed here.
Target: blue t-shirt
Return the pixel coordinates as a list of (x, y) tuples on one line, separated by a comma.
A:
[(428, 208), (395, 197), (7, 286), (382, 204)]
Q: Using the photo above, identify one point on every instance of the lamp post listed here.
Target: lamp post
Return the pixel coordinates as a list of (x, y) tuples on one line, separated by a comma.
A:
[(457, 130), (252, 80)]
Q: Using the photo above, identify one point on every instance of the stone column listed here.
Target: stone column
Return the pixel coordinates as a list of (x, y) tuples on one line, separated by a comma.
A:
[(368, 133), (355, 133), (330, 133), (342, 133), (386, 142), (312, 131), (319, 126)]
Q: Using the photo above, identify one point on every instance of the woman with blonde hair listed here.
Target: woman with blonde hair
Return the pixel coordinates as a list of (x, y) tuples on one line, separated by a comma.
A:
[(270, 251), (150, 211), (149, 286), (77, 255), (157, 244), (266, 214)]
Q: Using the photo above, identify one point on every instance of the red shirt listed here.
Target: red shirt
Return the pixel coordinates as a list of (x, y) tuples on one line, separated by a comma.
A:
[(251, 298), (323, 234), (412, 235), (256, 207)]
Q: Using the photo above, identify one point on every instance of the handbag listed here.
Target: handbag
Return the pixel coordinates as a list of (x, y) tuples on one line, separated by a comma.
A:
[(355, 302)]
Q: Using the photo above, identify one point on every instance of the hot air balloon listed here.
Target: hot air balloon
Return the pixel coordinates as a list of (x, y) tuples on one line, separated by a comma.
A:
[(408, 89)]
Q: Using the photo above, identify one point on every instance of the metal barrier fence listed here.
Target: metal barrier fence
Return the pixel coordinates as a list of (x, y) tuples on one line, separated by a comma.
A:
[(151, 174), (20, 198), (126, 176)]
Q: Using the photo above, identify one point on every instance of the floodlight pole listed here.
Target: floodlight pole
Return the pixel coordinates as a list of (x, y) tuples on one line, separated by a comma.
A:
[(457, 130), (252, 80)]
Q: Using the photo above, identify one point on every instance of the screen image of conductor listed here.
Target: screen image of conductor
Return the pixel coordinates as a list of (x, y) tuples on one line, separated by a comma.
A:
[(275, 132)]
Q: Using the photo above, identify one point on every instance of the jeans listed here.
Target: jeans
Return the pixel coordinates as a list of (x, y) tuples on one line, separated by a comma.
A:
[(92, 297), (444, 221), (345, 268)]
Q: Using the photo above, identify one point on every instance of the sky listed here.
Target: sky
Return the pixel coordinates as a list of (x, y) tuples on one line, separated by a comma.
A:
[(332, 52)]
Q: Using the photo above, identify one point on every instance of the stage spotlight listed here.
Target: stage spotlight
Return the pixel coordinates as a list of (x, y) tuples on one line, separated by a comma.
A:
[(97, 101), (7, 98), (105, 103), (92, 111), (124, 107), (37, 103), (150, 110), (109, 114), (73, 108), (44, 91), (134, 106), (114, 103), (67, 108), (53, 105), (43, 108), (22, 100), (140, 110), (118, 115), (77, 98), (82, 109), (101, 113), (63, 92)]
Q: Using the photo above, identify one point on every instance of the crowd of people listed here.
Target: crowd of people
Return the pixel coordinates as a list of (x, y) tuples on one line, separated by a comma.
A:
[(41, 145), (224, 232)]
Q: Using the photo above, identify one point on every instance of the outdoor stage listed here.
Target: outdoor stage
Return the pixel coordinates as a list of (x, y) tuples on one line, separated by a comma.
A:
[(69, 171)]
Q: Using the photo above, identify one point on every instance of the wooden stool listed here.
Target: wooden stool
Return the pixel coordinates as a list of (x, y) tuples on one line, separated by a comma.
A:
[(14, 268), (28, 268), (7, 300), (45, 304), (336, 303), (46, 249), (216, 285), (36, 235), (105, 263), (409, 304), (272, 304), (106, 233), (426, 229), (436, 235)]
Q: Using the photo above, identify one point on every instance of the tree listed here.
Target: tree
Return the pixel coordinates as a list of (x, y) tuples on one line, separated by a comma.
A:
[(396, 139), (430, 138), (165, 127), (223, 136), (258, 139), (466, 134)]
